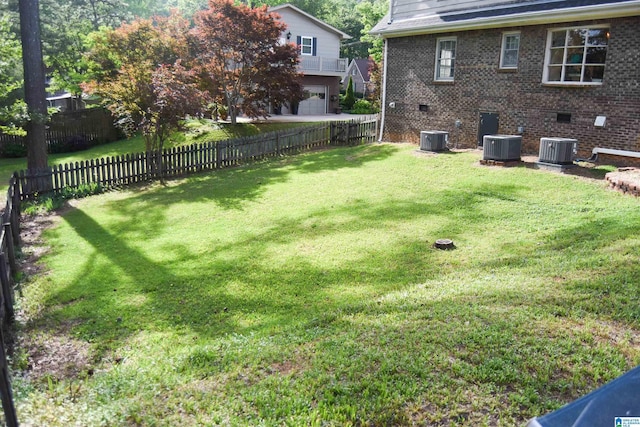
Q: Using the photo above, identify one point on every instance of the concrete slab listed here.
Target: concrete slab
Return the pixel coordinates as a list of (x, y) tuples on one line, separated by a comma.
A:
[(291, 118), (553, 166)]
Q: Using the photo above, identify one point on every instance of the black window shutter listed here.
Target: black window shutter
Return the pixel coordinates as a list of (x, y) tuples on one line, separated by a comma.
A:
[(298, 41), (315, 46)]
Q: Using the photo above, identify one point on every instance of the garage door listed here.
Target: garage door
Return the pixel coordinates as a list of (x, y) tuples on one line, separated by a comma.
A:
[(314, 101)]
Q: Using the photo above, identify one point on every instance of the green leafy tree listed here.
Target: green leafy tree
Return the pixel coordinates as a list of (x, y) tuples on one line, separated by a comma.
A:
[(12, 108), (65, 26), (370, 13), (139, 73), (241, 61)]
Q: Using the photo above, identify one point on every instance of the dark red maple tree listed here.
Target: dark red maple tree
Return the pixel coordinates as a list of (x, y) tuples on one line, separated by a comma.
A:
[(242, 61)]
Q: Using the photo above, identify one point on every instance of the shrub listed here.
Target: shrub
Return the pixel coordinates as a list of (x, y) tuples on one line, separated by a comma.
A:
[(349, 98), (14, 150), (49, 202), (69, 144), (362, 106)]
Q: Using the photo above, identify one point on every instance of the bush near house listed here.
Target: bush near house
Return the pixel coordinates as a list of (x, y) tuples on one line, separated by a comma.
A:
[(349, 97), (362, 106)]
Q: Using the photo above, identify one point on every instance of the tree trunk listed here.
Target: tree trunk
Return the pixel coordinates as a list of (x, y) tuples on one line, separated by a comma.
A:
[(232, 114), (34, 91)]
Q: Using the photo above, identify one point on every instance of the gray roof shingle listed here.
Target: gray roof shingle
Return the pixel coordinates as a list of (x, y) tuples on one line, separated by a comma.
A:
[(501, 12)]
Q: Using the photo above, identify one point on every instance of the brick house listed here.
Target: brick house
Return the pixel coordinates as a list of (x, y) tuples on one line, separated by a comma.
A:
[(539, 68), (320, 63)]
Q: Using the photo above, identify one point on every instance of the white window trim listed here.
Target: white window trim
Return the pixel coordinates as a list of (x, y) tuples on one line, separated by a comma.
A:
[(547, 57), (504, 48), (302, 45), (436, 77)]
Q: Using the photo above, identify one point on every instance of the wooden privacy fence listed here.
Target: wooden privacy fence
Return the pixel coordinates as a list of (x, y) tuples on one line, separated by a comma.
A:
[(133, 168), (69, 131)]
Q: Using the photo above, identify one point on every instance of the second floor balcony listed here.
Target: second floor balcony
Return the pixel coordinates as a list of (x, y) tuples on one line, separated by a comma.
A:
[(323, 65)]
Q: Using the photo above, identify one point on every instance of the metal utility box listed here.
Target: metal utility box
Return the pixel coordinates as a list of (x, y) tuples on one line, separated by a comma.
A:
[(433, 140), (501, 147), (558, 151)]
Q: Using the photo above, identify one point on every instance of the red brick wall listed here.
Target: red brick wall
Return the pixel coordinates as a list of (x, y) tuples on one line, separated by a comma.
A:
[(519, 97)]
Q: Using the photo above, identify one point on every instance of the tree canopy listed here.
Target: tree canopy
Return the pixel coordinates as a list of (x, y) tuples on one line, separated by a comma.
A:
[(12, 109), (242, 76), (240, 58), (66, 25), (138, 72)]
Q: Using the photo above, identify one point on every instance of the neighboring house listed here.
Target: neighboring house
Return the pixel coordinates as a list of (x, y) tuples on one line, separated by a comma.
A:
[(64, 101), (358, 70), (542, 68), (320, 62)]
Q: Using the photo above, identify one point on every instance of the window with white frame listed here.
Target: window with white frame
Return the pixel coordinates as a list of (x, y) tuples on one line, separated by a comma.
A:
[(510, 49), (576, 55), (306, 45), (445, 58)]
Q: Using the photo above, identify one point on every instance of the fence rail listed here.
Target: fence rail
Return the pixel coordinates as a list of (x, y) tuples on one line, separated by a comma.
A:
[(139, 167)]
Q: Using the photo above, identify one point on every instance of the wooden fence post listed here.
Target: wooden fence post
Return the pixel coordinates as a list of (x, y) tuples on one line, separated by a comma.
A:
[(7, 287), (10, 249), (11, 419)]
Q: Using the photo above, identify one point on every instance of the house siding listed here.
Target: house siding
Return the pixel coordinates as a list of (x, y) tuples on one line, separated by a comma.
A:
[(519, 97), (328, 43), (358, 81)]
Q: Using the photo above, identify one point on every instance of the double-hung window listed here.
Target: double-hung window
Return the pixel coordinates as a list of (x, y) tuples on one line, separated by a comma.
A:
[(576, 56), (306, 45), (445, 59), (510, 49)]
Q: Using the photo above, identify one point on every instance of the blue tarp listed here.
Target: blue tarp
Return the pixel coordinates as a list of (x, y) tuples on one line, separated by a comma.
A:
[(615, 404)]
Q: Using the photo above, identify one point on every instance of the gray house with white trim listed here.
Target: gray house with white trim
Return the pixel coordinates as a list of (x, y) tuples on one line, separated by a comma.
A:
[(359, 72), (540, 68), (320, 63)]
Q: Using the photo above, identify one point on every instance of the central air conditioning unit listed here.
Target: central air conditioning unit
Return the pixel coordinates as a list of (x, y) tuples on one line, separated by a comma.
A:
[(433, 140), (501, 147), (558, 151)]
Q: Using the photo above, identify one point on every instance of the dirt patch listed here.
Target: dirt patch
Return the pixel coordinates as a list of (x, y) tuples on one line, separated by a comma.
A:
[(33, 247), (51, 351), (55, 354)]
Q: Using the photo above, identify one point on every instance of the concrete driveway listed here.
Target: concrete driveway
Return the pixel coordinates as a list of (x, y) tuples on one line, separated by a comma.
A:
[(289, 118)]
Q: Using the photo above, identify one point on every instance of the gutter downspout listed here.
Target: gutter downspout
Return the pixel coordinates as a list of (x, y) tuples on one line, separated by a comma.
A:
[(383, 101), (611, 151)]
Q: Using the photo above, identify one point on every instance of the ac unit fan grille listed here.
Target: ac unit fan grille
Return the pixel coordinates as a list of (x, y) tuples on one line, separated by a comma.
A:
[(433, 140), (557, 150), (501, 147)]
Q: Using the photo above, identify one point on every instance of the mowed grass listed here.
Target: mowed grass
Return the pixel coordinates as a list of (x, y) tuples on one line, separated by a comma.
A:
[(306, 291)]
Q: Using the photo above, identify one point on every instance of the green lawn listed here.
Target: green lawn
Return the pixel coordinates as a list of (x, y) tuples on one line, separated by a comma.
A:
[(306, 291)]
